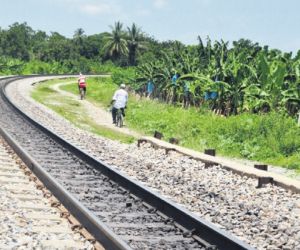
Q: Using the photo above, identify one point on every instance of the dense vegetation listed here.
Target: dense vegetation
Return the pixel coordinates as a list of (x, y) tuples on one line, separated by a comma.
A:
[(24, 50), (244, 76)]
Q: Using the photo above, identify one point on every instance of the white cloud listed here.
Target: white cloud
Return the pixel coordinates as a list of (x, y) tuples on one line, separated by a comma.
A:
[(97, 8), (159, 4)]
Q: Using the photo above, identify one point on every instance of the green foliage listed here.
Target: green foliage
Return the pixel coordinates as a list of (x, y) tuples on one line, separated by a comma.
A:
[(245, 77), (9, 66), (36, 67), (99, 89), (258, 137), (125, 75), (115, 43)]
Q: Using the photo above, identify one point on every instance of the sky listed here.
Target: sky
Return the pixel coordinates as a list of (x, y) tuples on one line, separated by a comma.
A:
[(269, 22)]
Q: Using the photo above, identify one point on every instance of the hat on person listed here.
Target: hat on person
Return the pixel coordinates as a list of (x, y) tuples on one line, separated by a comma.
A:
[(122, 85)]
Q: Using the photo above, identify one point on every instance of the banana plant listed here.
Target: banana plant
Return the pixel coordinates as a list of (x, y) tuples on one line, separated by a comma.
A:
[(9, 65), (247, 77), (271, 79), (145, 73), (235, 76), (256, 99), (291, 95)]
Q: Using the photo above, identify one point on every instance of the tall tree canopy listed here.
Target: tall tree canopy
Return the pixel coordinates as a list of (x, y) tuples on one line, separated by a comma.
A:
[(116, 44)]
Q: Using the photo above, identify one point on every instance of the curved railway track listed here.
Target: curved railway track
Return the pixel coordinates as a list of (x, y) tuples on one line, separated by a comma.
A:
[(119, 212)]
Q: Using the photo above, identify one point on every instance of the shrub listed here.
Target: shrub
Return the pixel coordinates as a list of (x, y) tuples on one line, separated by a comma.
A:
[(125, 75)]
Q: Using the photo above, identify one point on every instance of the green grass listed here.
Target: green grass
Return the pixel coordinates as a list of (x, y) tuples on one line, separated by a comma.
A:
[(272, 138), (99, 90), (73, 111)]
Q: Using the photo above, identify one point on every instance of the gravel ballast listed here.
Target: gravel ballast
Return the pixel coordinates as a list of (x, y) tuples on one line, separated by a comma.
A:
[(27, 219)]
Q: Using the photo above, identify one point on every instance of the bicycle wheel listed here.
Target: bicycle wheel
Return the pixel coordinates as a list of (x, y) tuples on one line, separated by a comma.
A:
[(119, 119), (81, 93)]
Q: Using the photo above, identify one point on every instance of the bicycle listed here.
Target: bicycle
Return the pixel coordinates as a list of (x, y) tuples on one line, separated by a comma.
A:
[(119, 118), (82, 93)]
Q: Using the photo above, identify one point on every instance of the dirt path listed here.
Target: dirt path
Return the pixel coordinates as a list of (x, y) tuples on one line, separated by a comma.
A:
[(98, 114)]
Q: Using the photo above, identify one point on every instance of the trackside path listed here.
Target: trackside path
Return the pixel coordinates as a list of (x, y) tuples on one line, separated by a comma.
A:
[(98, 114)]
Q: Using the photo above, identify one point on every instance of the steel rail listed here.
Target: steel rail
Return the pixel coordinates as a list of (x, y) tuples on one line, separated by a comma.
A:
[(195, 226), (98, 229)]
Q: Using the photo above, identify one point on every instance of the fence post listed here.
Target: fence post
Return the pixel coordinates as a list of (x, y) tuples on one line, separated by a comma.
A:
[(211, 152)]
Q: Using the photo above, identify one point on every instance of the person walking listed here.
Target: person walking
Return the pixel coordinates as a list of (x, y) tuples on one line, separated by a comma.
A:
[(186, 94), (174, 87), (150, 88)]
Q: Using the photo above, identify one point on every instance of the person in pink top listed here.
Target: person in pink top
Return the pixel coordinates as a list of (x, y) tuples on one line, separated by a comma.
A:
[(81, 83)]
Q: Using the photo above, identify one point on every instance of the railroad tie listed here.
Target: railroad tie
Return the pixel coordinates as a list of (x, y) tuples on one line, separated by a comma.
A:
[(262, 181)]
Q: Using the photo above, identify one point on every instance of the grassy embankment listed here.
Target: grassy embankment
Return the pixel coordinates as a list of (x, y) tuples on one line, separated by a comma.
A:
[(272, 138), (73, 111)]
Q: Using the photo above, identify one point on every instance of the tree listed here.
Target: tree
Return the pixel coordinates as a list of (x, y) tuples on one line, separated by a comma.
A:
[(58, 49), (115, 42), (92, 47), (134, 43), (18, 41), (78, 34), (78, 41), (39, 44)]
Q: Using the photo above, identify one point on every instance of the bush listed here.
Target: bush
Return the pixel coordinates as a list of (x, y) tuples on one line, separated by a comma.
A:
[(125, 75)]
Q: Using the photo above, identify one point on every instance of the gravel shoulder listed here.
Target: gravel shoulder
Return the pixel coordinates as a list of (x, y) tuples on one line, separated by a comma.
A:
[(267, 218)]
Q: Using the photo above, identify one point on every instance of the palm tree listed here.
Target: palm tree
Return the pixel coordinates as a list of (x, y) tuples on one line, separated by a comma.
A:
[(115, 43), (78, 34), (78, 39), (134, 43)]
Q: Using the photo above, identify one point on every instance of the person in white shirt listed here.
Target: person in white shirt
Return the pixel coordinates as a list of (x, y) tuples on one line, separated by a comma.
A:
[(119, 101)]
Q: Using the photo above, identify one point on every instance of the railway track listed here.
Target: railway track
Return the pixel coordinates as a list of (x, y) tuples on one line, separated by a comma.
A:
[(26, 211), (119, 212)]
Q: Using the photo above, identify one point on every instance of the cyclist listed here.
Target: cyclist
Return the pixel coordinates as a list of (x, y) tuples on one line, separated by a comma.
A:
[(119, 101), (81, 83)]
